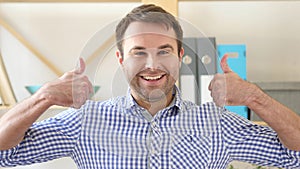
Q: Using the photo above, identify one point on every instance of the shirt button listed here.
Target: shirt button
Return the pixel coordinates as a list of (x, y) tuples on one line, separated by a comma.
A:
[(153, 124), (170, 112)]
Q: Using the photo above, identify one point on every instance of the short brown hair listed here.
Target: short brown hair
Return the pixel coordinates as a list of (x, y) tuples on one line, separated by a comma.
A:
[(148, 13)]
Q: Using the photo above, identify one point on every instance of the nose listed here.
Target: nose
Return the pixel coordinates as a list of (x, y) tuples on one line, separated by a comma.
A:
[(152, 61)]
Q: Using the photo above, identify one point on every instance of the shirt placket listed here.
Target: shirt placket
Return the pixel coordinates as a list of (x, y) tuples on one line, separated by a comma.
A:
[(155, 139)]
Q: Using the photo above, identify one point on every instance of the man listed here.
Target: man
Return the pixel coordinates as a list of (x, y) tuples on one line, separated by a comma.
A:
[(151, 127)]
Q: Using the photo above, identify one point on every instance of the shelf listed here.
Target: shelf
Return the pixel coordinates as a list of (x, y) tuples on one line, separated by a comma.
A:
[(262, 123), (3, 107), (287, 93), (57, 1), (279, 86)]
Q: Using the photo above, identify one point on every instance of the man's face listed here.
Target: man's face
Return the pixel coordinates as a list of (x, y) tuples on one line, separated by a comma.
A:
[(150, 62)]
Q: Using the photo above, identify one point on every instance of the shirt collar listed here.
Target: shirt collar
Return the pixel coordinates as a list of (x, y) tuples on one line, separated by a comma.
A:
[(130, 102), (177, 100)]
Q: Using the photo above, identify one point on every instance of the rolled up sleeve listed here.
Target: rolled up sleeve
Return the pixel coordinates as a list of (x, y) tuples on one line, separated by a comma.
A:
[(47, 140), (256, 144)]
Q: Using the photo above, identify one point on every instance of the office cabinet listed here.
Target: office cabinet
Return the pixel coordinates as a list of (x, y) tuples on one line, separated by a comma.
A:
[(201, 62), (198, 67), (237, 62)]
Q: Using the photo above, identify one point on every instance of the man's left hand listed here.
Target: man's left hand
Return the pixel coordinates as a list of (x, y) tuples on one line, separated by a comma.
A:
[(229, 89)]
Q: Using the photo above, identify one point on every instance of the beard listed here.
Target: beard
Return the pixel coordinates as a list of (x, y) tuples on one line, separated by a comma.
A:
[(152, 93)]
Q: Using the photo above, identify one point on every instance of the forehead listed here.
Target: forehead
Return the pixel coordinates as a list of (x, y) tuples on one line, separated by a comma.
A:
[(138, 28), (151, 34)]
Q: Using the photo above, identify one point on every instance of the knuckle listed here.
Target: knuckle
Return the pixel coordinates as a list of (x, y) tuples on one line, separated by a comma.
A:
[(68, 74), (85, 78), (218, 75)]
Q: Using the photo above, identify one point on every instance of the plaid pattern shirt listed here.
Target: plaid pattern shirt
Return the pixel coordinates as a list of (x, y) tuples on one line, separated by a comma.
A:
[(120, 134)]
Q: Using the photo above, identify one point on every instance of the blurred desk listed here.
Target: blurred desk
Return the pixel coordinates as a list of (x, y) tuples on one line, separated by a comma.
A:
[(287, 93)]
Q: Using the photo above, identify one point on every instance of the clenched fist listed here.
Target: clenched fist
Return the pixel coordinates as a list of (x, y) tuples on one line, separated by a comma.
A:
[(72, 89), (229, 89)]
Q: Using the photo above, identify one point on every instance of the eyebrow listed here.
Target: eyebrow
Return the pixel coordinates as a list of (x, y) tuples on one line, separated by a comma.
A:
[(166, 46), (143, 48), (137, 48)]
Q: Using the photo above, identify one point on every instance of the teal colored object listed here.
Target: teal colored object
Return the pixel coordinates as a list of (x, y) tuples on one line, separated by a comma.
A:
[(237, 62), (96, 88), (33, 88)]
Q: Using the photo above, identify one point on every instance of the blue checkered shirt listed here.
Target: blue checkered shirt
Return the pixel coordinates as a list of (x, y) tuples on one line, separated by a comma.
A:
[(118, 133)]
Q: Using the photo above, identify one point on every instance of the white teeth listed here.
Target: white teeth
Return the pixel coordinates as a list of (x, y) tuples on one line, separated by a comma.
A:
[(152, 77)]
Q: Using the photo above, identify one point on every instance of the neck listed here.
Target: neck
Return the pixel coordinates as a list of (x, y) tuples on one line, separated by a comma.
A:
[(153, 106)]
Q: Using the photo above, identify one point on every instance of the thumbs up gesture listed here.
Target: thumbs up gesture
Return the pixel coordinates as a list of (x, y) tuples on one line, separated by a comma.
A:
[(72, 89), (228, 88)]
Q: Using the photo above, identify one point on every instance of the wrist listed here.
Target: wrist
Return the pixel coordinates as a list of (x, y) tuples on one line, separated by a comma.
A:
[(258, 98), (43, 98)]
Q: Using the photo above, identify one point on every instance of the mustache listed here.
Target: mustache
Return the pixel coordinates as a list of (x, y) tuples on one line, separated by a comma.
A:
[(153, 71)]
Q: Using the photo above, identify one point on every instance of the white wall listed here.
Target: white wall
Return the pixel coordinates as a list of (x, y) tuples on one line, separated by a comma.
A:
[(270, 30), (59, 31)]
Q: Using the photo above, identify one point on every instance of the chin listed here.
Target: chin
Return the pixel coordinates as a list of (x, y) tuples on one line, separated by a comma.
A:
[(156, 95)]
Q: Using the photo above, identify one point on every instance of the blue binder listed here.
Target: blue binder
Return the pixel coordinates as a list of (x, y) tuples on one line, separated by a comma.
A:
[(237, 62)]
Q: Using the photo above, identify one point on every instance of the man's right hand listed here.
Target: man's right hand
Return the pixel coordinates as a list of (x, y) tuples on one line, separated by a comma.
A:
[(70, 90)]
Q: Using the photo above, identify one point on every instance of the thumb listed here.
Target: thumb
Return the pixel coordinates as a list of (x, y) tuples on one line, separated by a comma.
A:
[(81, 67), (224, 65)]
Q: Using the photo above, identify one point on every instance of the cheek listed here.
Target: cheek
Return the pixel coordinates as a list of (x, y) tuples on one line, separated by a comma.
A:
[(175, 73), (131, 67), (172, 65)]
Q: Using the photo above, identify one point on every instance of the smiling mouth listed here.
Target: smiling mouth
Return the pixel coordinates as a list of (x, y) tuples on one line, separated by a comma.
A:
[(152, 78)]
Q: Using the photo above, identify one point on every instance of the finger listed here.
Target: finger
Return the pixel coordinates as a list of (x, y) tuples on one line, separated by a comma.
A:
[(224, 65), (89, 86), (89, 89), (81, 67), (80, 99), (210, 86)]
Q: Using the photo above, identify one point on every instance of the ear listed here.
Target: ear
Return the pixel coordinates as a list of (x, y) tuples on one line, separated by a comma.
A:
[(180, 56), (119, 57)]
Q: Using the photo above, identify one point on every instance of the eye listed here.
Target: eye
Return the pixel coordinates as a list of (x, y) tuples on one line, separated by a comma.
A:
[(164, 52), (139, 53)]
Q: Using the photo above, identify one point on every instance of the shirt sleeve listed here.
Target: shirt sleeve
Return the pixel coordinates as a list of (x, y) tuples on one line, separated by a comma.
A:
[(46, 140), (255, 144)]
